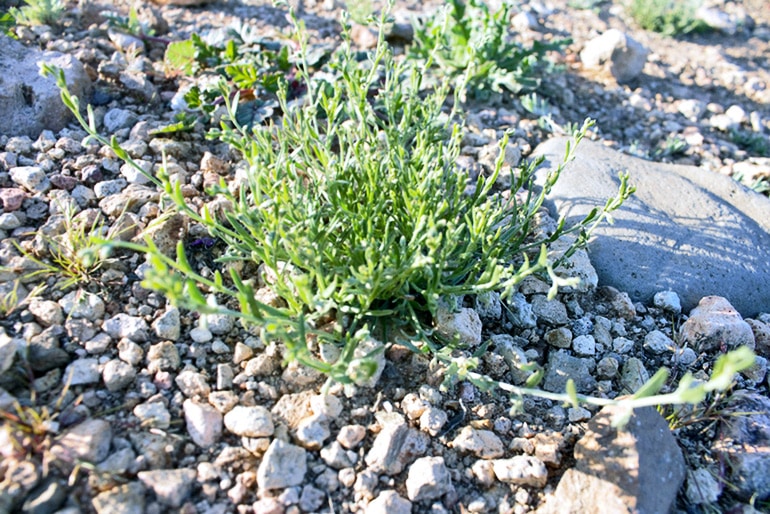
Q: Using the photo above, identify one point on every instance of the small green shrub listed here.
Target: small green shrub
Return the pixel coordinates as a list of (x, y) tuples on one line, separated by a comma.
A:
[(467, 38), (669, 17), (38, 12), (353, 212)]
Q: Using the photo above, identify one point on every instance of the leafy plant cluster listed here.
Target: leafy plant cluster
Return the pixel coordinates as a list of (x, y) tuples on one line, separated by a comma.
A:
[(35, 12), (468, 38), (669, 17), (354, 214)]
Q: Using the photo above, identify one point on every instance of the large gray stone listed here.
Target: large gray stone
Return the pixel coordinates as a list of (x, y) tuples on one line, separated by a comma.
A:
[(686, 229), (30, 103)]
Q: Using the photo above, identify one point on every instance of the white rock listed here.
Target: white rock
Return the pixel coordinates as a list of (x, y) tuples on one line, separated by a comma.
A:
[(249, 421), (283, 465), (624, 55), (117, 375), (433, 420), (350, 435), (192, 383), (81, 372), (521, 470), (464, 324), (389, 502), (428, 479), (484, 444), (153, 414), (132, 327), (668, 301), (204, 423), (167, 325), (46, 312), (82, 304), (171, 486), (31, 178), (313, 431)]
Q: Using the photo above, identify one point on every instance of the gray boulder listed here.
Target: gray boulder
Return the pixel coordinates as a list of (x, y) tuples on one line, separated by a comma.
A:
[(30, 103), (620, 53), (686, 229)]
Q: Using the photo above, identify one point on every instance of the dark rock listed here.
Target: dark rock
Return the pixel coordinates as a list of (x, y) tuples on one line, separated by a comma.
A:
[(710, 238), (639, 469)]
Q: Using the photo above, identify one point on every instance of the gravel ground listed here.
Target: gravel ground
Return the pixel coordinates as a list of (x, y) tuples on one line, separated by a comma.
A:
[(188, 413)]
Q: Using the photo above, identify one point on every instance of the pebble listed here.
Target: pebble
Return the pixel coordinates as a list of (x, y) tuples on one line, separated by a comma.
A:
[(201, 335), (336, 457), (11, 198), (123, 499), (130, 352), (350, 436), (313, 431), (82, 304), (584, 346), (552, 312), (428, 479), (562, 366), (488, 305), (464, 324), (116, 119), (483, 444), (87, 441), (713, 323), (31, 178), (46, 312), (131, 327), (433, 420), (82, 372), (171, 486), (192, 383), (657, 342), (167, 325), (521, 470), (163, 356), (153, 414), (118, 375), (283, 465), (520, 312), (389, 502), (668, 301), (633, 375), (249, 421), (702, 487), (394, 448), (46, 497), (311, 498)]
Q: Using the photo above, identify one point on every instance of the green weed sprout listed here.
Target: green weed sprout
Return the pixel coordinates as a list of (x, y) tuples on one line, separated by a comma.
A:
[(467, 38), (355, 208), (669, 17), (38, 12)]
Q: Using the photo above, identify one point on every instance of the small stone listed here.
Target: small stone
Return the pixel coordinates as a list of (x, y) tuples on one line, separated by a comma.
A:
[(11, 198), (219, 324), (607, 367), (336, 457), (46, 497), (130, 352), (657, 342), (82, 304), (311, 499), (201, 335), (578, 414), (552, 312), (350, 435), (31, 178), (521, 470), (395, 447), (192, 384), (167, 325), (623, 55), (520, 312), (116, 119), (562, 366), (312, 432), (559, 337), (82, 372), (702, 487), (326, 405), (249, 421), (428, 479), (123, 499), (225, 376), (668, 301), (433, 420), (488, 305), (171, 486), (163, 356), (153, 414), (584, 346), (88, 441), (484, 444), (713, 323), (464, 324), (484, 472), (622, 345), (131, 327), (118, 375), (204, 423), (283, 465), (389, 502), (241, 353)]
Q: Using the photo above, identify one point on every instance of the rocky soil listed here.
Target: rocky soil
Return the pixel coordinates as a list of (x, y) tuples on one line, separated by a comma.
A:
[(140, 407)]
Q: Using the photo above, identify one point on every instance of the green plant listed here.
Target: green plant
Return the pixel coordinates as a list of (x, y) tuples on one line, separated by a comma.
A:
[(74, 255), (671, 147), (361, 222), (669, 17), (38, 12), (467, 39), (754, 143)]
